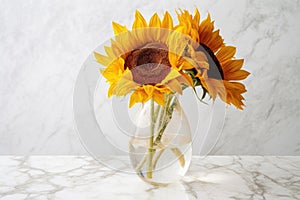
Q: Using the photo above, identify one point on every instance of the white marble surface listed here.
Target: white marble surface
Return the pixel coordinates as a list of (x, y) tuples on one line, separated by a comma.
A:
[(215, 177), (44, 43)]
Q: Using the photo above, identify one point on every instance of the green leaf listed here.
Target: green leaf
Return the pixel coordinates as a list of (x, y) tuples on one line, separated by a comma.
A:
[(200, 99)]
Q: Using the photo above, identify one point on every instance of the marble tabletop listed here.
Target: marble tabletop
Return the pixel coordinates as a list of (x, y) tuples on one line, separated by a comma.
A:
[(213, 177)]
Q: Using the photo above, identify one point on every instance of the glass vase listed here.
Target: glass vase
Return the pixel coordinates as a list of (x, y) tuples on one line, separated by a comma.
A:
[(161, 146)]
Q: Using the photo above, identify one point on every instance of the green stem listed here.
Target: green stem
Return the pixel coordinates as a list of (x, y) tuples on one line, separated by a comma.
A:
[(164, 120), (166, 117), (151, 141), (163, 113), (179, 155), (140, 165)]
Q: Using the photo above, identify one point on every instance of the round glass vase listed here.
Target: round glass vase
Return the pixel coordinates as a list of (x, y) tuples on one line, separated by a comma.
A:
[(161, 147)]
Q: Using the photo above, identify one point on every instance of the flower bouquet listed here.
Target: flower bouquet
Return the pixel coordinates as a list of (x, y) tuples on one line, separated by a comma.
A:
[(154, 63)]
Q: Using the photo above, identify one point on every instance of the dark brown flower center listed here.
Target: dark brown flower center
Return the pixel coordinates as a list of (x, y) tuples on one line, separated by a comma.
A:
[(149, 64), (215, 69)]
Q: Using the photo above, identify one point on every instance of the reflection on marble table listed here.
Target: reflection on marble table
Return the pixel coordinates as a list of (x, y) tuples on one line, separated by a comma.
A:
[(213, 177)]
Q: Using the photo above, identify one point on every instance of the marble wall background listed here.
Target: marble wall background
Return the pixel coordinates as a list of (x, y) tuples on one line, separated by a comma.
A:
[(44, 43)]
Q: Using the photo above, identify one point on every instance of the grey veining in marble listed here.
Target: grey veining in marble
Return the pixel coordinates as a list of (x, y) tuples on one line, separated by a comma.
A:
[(44, 43), (215, 177)]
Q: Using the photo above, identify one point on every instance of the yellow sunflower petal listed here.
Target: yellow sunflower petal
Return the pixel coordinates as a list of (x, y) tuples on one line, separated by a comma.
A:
[(206, 26), (187, 63), (146, 92), (197, 63), (154, 34), (118, 28), (139, 21), (116, 47), (155, 21), (201, 59), (225, 53), (205, 29), (216, 87), (167, 21), (109, 52), (185, 79), (125, 84), (103, 60), (172, 75), (196, 18), (234, 92), (173, 59), (188, 25), (237, 75), (134, 98), (179, 29), (158, 97), (123, 42), (175, 86), (214, 41), (177, 43), (114, 71), (148, 89), (111, 90), (232, 65), (162, 88), (137, 96)]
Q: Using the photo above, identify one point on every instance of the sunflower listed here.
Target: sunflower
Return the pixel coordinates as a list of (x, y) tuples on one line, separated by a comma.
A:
[(220, 78), (139, 62)]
